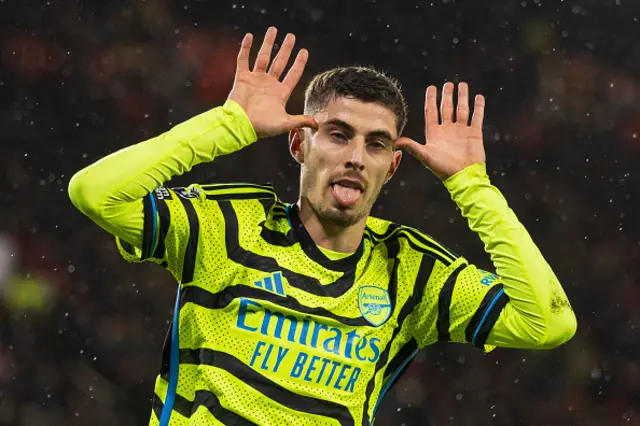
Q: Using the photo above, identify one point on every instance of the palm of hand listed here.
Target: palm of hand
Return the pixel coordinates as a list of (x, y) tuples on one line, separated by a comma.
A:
[(261, 93), (264, 100), (452, 145)]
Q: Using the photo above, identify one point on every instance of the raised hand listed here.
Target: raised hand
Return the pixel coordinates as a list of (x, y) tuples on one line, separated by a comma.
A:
[(261, 93), (452, 145)]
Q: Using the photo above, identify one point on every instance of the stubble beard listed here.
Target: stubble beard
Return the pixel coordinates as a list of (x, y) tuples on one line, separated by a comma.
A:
[(330, 214)]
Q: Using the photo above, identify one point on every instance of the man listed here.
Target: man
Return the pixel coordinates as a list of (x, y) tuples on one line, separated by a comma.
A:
[(307, 313)]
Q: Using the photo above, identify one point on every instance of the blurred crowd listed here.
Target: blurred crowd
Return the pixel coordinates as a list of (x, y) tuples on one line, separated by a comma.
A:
[(81, 331)]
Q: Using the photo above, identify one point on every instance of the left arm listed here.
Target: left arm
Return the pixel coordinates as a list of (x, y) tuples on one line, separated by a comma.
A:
[(537, 314)]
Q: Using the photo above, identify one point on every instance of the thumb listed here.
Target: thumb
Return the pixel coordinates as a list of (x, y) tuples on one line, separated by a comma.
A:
[(408, 145), (300, 121)]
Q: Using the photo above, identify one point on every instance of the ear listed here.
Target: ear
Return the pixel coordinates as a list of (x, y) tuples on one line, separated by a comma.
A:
[(393, 168), (296, 139)]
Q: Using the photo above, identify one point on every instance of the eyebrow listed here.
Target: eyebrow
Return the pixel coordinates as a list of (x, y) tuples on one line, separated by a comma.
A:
[(379, 133)]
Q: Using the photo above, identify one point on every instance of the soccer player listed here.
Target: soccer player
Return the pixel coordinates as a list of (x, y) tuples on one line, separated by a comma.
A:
[(307, 313)]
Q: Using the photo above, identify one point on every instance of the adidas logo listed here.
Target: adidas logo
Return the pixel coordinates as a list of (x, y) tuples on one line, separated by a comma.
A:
[(272, 283)]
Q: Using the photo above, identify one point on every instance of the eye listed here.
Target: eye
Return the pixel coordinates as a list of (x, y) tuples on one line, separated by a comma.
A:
[(338, 135), (378, 144)]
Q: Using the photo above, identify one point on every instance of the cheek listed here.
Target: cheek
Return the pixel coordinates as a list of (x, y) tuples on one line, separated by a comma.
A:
[(313, 176), (382, 171), (318, 165)]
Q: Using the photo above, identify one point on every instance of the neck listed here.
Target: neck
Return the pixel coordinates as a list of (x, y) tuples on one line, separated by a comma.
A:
[(343, 239)]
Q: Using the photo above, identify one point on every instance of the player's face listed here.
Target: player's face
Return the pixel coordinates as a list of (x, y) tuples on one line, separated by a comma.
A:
[(348, 159)]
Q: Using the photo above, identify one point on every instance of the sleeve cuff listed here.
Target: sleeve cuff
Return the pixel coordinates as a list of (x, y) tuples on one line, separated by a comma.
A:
[(246, 131), (469, 176), (152, 235)]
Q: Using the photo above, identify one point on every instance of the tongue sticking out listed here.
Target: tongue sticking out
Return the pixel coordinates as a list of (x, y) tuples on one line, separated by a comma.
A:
[(345, 195)]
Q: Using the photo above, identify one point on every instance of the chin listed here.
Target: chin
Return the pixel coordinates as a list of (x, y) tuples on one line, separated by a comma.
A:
[(339, 215)]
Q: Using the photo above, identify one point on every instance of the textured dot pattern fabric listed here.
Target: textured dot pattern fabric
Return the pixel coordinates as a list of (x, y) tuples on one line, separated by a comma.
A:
[(273, 332)]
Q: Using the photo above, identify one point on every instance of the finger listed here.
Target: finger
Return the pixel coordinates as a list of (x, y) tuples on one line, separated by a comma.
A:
[(300, 121), (446, 109), (264, 55), (408, 145), (243, 54), (278, 65), (295, 73), (478, 112), (462, 112), (431, 107)]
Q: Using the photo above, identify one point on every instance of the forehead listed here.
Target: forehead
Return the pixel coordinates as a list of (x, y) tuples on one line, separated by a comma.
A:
[(365, 117)]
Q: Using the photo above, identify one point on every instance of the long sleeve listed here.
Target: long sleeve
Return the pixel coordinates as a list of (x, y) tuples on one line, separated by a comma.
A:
[(111, 191), (538, 313)]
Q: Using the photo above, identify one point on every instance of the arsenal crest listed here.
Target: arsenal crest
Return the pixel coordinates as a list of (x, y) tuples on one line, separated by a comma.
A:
[(374, 304)]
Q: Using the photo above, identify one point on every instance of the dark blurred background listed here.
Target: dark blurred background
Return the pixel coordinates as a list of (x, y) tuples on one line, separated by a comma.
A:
[(81, 330)]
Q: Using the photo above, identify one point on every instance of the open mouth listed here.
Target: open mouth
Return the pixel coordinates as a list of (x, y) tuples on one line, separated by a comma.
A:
[(347, 192)]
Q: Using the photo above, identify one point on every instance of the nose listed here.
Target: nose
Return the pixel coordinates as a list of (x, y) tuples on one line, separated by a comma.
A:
[(356, 156)]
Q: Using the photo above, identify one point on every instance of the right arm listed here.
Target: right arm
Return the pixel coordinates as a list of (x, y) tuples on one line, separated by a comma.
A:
[(111, 191)]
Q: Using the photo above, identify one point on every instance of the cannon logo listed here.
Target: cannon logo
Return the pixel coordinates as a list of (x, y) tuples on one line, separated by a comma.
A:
[(374, 304)]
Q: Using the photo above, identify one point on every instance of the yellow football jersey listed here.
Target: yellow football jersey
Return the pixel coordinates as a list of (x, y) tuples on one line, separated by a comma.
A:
[(268, 330)]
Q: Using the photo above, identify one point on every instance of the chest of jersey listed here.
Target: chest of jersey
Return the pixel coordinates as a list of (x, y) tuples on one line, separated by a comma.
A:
[(321, 333)]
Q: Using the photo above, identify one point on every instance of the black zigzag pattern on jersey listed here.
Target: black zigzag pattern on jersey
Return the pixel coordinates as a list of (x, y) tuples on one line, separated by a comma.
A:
[(165, 222), (406, 351), (398, 232), (491, 316), (156, 405), (165, 361), (148, 226), (220, 191), (190, 255), (347, 265), (267, 204), (266, 386), (235, 185), (276, 238), (273, 212), (203, 398), (267, 264), (239, 196), (443, 323), (396, 367), (222, 299), (426, 265), (279, 211), (382, 238), (392, 251)]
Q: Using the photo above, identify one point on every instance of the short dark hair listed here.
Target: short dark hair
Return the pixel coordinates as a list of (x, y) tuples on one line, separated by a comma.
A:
[(365, 84)]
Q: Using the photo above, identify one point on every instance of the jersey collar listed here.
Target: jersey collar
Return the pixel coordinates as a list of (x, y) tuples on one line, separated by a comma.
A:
[(313, 252)]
